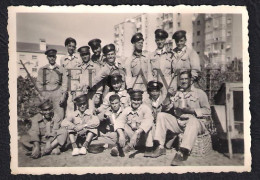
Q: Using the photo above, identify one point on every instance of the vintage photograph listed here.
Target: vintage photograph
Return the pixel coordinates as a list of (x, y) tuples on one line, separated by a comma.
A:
[(95, 87)]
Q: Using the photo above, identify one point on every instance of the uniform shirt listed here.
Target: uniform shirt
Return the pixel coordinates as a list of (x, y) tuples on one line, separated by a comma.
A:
[(98, 60), (160, 59), (133, 66), (186, 59), (52, 77), (71, 63), (40, 126), (195, 98), (110, 118), (155, 106), (87, 119), (142, 117)]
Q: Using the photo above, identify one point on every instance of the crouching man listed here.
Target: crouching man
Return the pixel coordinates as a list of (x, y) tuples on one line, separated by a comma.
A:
[(134, 126), (81, 125), (45, 135), (185, 110)]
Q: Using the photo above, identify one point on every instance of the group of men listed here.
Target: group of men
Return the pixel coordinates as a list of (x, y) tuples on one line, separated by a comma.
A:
[(126, 102)]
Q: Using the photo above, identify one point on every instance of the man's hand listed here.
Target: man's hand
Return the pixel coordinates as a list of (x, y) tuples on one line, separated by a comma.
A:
[(134, 139), (36, 152), (121, 140), (78, 128)]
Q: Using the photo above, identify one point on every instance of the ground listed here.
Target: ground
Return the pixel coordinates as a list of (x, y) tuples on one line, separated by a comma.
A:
[(65, 159)]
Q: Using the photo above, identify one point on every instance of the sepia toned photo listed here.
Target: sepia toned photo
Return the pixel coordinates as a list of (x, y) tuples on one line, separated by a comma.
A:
[(129, 89)]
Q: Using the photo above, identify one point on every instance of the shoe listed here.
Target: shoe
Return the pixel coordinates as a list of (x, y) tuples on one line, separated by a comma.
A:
[(178, 159), (55, 151), (159, 152), (114, 151), (127, 149), (83, 151), (148, 152), (75, 152)]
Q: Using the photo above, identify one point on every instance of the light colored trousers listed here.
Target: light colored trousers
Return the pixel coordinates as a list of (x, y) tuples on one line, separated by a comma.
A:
[(191, 128)]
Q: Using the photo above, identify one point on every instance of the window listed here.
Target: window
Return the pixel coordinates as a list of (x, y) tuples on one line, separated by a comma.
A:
[(229, 21), (198, 52), (198, 33), (34, 69), (198, 43), (170, 25), (193, 44), (179, 24), (34, 57), (198, 22), (222, 46), (229, 33)]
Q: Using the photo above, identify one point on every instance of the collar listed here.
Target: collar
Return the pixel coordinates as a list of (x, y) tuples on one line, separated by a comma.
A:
[(138, 55), (180, 51), (90, 63), (70, 57), (122, 93), (50, 67), (86, 113), (161, 51)]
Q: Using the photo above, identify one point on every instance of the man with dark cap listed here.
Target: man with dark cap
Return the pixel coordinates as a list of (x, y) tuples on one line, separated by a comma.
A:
[(112, 66), (184, 57), (87, 71), (97, 57), (134, 126), (81, 124), (160, 64), (155, 99), (45, 135), (52, 82), (137, 65), (186, 111), (70, 62)]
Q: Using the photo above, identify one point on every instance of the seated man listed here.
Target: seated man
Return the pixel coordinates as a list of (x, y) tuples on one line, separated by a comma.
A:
[(81, 124), (135, 124), (156, 97), (115, 83), (107, 134), (45, 130), (186, 109)]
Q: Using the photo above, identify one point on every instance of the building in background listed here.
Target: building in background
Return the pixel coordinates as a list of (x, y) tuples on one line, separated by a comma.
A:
[(223, 38), (32, 55)]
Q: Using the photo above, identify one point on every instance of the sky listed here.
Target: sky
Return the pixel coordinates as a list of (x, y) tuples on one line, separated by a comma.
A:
[(56, 27)]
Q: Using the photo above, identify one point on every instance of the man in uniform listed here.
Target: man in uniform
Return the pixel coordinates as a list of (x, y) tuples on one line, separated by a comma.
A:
[(70, 62), (87, 71), (135, 124), (155, 99), (160, 64), (97, 57), (137, 65), (184, 57), (187, 108), (52, 82), (81, 124), (45, 135)]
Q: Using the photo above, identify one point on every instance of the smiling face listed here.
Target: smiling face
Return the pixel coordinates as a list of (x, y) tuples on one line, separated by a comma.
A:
[(111, 57), (85, 57), (71, 47), (139, 45), (160, 42), (52, 59), (154, 93), (185, 81), (82, 107), (116, 85), (181, 43), (97, 51), (136, 103), (48, 114)]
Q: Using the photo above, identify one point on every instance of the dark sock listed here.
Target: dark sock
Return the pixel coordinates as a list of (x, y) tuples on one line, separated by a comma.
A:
[(86, 143), (74, 145)]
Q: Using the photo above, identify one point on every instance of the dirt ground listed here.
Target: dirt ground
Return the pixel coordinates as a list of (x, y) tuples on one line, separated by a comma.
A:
[(65, 159)]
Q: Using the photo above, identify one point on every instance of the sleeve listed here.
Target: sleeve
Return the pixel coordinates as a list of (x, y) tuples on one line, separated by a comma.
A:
[(128, 77), (68, 122), (204, 109), (64, 80), (149, 68), (56, 122), (104, 72), (195, 63), (39, 81), (147, 121), (121, 120), (62, 61), (34, 131)]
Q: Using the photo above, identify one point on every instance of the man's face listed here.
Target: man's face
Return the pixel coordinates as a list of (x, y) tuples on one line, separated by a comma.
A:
[(185, 81), (160, 43), (97, 51), (181, 43), (71, 47), (115, 105), (116, 85), (154, 93), (82, 107), (111, 56), (139, 45), (136, 103), (85, 57), (48, 114), (52, 59)]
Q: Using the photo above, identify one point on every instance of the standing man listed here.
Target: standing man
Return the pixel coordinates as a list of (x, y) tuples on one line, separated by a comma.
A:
[(70, 62), (52, 81), (137, 65), (134, 125), (187, 108), (184, 57), (160, 64), (97, 57), (88, 70)]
